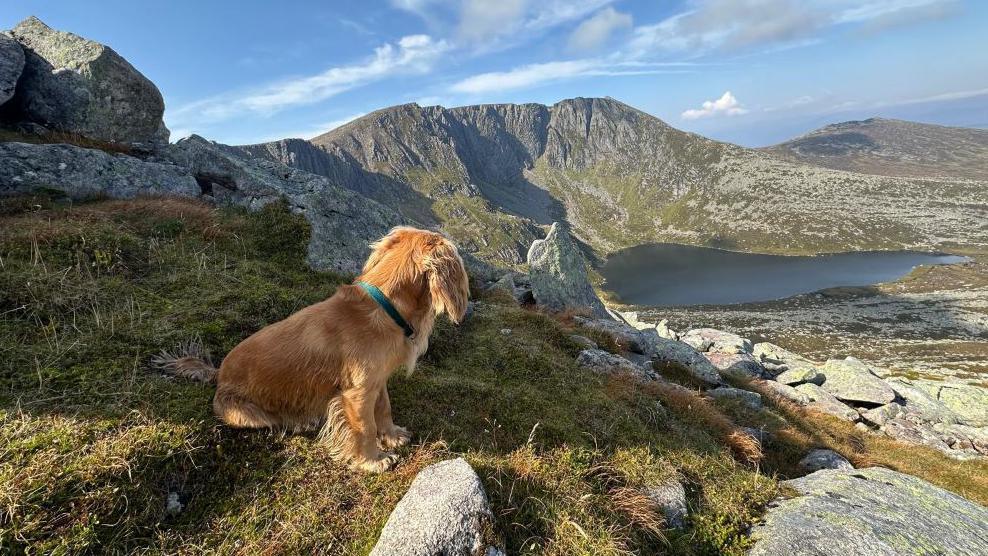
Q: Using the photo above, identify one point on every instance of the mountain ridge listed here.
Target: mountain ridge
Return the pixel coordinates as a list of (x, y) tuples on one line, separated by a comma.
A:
[(493, 175), (888, 146)]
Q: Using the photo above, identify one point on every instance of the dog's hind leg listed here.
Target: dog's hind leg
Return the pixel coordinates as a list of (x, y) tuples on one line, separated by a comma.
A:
[(358, 431), (234, 410)]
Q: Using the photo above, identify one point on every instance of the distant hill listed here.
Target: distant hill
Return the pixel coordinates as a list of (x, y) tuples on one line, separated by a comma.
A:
[(491, 175), (893, 148)]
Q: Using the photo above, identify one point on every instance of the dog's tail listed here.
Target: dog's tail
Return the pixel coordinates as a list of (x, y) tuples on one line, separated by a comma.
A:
[(189, 360)]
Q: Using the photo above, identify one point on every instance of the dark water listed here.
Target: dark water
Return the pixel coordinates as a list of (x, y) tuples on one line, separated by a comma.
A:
[(665, 274)]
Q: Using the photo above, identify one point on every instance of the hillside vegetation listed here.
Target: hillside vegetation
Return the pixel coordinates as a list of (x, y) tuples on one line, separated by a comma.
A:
[(100, 454)]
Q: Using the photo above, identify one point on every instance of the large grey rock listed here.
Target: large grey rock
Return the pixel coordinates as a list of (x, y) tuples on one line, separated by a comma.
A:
[(920, 402), (851, 380), (871, 511), (86, 173), (445, 512), (787, 392), (823, 401), (711, 339), (662, 328), (819, 459), (777, 359), (800, 374), (883, 414), (11, 66), (967, 401), (915, 433), (603, 362), (670, 497), (740, 364), (559, 274), (80, 86), (751, 400), (663, 350), (343, 222), (627, 337)]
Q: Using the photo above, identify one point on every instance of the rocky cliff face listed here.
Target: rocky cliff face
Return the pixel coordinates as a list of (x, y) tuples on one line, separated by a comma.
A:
[(893, 148), (490, 174)]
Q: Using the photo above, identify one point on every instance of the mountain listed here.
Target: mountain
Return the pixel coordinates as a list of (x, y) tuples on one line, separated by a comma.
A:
[(491, 175), (893, 148)]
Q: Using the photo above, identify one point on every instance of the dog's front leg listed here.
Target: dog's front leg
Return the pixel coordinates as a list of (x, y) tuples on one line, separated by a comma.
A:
[(359, 403), (390, 435)]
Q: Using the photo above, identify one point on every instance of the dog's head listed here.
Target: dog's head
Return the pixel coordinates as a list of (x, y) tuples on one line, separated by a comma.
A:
[(419, 257)]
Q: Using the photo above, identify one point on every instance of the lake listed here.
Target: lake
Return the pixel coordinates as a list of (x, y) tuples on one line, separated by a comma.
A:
[(666, 274)]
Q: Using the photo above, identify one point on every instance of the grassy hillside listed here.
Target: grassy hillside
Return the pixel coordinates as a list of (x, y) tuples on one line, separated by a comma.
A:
[(93, 443)]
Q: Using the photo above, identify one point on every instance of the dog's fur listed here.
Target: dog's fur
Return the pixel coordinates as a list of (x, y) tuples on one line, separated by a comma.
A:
[(328, 365)]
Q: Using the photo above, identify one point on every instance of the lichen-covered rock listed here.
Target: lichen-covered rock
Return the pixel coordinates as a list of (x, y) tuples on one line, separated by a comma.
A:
[(628, 338), (80, 86), (778, 359), (670, 497), (445, 512), (823, 401), (86, 173), (667, 351), (787, 392), (603, 362), (740, 364), (710, 339), (343, 222), (819, 459), (851, 380), (871, 511), (883, 414), (752, 400), (967, 401), (11, 66), (914, 433), (662, 328), (920, 402), (800, 374), (559, 274)]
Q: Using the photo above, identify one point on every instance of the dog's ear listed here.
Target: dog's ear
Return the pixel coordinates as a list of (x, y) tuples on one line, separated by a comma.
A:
[(448, 282), (381, 247)]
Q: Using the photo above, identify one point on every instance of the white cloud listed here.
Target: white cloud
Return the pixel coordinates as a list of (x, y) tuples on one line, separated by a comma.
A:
[(533, 75), (597, 30), (726, 105), (411, 54), (879, 10), (482, 20)]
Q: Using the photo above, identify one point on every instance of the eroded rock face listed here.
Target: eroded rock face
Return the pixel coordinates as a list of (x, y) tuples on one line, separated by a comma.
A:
[(740, 364), (343, 222), (559, 274), (968, 402), (778, 359), (11, 66), (851, 380), (75, 85), (871, 511), (444, 512), (87, 173)]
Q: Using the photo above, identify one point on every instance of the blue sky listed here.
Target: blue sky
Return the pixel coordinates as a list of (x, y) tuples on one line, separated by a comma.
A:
[(753, 72)]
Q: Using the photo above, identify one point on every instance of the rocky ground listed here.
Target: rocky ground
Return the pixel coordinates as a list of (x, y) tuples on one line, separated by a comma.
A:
[(933, 323)]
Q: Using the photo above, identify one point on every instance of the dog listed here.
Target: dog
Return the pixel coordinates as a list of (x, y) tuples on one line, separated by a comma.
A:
[(327, 366)]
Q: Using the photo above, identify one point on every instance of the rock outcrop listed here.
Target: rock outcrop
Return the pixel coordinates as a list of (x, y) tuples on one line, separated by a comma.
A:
[(79, 86), (11, 66), (445, 512), (87, 173), (851, 380), (824, 459), (343, 222), (558, 274), (871, 511)]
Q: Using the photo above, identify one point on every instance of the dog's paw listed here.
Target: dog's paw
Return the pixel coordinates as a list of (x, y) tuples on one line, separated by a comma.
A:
[(385, 461), (396, 437)]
